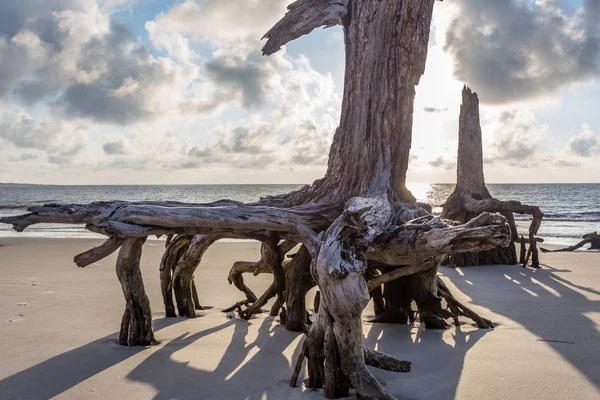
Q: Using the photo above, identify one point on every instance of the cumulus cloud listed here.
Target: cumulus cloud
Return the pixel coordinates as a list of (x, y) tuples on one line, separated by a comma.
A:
[(236, 24), (79, 66), (585, 144), (514, 139), (257, 144), (515, 49), (95, 67), (61, 140)]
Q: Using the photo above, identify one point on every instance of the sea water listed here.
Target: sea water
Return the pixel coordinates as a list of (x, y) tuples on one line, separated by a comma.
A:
[(571, 210)]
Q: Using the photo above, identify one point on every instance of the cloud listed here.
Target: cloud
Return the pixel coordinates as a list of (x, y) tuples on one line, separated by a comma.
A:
[(132, 84), (91, 66), (311, 144), (61, 140), (585, 144), (236, 24), (514, 50), (514, 139), (79, 66), (565, 163), (116, 147), (441, 162), (23, 157), (39, 43), (434, 109)]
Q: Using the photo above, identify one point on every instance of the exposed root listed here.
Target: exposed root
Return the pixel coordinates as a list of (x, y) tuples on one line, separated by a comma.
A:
[(136, 324), (183, 274), (458, 309), (385, 361), (89, 257)]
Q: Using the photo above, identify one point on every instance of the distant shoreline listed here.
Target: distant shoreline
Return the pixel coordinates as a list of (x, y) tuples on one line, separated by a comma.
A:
[(279, 184)]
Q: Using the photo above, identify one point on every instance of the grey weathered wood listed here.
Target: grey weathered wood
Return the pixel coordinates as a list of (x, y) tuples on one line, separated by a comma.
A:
[(183, 273), (96, 254), (298, 282), (592, 238), (136, 325), (303, 17), (175, 249), (471, 197), (399, 273)]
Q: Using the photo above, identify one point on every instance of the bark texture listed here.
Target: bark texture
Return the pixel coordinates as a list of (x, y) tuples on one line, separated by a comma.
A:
[(471, 197), (136, 325), (592, 238), (359, 214)]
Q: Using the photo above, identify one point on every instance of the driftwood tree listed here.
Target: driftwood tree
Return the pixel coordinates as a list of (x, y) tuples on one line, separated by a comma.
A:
[(471, 197), (592, 238), (358, 227)]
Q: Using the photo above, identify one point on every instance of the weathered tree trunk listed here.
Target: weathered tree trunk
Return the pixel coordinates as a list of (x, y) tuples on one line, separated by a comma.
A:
[(386, 49), (136, 325), (471, 197)]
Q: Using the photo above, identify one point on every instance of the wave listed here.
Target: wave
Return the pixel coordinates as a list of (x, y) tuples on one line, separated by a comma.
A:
[(585, 216), (19, 206), (25, 206)]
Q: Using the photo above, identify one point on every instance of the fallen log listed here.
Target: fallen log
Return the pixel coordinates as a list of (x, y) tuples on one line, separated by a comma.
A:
[(592, 238)]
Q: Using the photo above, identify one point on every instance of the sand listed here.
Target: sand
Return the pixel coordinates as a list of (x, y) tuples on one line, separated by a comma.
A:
[(58, 330)]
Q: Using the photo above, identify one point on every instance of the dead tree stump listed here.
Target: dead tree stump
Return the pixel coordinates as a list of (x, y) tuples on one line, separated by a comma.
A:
[(471, 197)]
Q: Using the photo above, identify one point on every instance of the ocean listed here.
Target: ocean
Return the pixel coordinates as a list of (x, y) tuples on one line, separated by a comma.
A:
[(571, 210)]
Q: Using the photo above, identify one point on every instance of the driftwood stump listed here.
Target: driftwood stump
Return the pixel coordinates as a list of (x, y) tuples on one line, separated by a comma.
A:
[(471, 197)]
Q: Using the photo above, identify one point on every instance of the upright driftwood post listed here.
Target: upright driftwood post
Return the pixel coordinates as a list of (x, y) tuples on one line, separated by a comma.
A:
[(136, 326), (471, 197)]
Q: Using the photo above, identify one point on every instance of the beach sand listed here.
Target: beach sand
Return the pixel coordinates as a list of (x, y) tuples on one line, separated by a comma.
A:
[(58, 331)]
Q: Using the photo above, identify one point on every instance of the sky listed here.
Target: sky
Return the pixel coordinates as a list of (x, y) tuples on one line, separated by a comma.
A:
[(177, 92)]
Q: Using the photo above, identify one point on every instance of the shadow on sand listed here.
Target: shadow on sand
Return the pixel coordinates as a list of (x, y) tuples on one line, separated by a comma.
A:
[(64, 371), (557, 316), (253, 365), (248, 370)]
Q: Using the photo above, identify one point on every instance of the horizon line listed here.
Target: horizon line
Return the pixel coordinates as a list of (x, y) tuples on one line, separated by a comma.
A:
[(275, 184)]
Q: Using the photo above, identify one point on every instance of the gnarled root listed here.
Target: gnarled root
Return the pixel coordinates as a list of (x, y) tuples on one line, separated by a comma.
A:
[(136, 325), (457, 308), (175, 248), (298, 282), (385, 361), (183, 274)]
